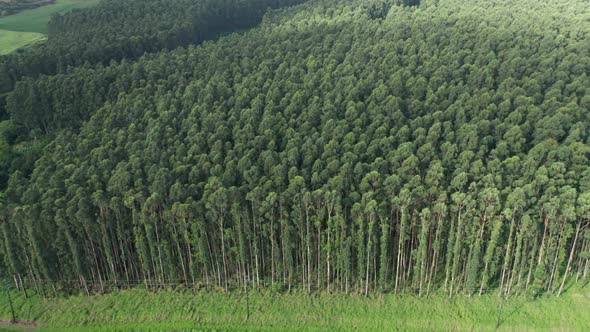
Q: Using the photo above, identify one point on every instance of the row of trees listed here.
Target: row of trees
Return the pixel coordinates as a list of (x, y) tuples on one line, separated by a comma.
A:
[(325, 149), (10, 7)]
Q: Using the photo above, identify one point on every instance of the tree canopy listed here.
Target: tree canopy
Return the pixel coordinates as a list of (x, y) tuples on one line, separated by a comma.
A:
[(339, 145)]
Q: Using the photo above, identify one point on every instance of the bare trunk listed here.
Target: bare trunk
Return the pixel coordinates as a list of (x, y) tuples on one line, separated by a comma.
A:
[(483, 278), (542, 243), (551, 286), (223, 257), (328, 263), (367, 270), (23, 287), (571, 258), (432, 271), (184, 272)]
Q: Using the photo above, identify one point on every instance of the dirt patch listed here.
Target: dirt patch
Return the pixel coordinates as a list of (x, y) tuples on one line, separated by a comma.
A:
[(18, 323)]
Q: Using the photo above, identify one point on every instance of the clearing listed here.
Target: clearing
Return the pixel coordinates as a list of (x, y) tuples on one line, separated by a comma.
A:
[(13, 40)]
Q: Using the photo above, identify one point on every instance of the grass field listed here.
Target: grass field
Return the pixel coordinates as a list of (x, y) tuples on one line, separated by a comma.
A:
[(30, 26), (140, 310), (12, 40)]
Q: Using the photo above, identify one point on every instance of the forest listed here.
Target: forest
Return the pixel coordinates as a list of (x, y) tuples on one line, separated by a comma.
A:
[(353, 146)]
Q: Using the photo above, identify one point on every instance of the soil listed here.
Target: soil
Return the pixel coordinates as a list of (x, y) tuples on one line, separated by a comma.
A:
[(29, 325)]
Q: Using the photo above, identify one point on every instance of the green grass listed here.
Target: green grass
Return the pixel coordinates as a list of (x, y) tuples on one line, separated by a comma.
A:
[(140, 310), (13, 40), (35, 20)]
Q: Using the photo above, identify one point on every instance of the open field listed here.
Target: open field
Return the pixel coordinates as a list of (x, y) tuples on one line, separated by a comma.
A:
[(12, 40), (136, 310), (30, 26)]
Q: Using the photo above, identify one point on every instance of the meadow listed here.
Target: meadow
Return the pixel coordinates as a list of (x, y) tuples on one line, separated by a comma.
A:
[(185, 310), (13, 40), (30, 26)]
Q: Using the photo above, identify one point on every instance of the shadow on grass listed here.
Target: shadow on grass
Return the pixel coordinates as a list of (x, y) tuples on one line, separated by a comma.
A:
[(504, 318)]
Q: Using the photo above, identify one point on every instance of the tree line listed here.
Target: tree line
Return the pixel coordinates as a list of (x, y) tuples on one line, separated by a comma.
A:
[(10, 7), (440, 148)]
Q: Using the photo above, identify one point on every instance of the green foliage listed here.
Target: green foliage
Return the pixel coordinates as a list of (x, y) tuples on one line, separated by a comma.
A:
[(378, 9), (410, 3), (9, 7), (442, 148), (116, 30)]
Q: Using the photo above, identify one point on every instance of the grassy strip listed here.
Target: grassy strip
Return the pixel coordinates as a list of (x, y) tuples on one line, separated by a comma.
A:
[(184, 310), (35, 20), (13, 40)]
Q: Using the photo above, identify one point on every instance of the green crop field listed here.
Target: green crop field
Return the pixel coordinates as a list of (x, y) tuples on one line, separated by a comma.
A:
[(140, 310), (30, 26)]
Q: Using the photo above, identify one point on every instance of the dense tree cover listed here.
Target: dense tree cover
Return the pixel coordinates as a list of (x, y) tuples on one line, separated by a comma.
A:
[(441, 147), (9, 7), (115, 30)]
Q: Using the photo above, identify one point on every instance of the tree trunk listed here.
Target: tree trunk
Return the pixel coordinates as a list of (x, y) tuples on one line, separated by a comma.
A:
[(571, 258), (543, 242), (223, 256), (367, 270)]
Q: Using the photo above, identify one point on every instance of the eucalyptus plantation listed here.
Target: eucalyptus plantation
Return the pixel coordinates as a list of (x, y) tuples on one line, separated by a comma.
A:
[(352, 146)]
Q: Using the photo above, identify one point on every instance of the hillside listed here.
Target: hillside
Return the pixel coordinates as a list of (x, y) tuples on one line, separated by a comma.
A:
[(350, 146), (25, 21)]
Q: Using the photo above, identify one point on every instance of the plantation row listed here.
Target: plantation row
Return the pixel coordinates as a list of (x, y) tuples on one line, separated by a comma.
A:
[(335, 146)]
